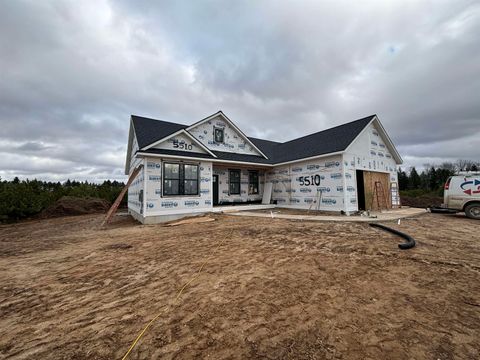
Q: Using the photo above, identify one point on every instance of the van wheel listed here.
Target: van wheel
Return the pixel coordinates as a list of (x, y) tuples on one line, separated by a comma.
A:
[(473, 211)]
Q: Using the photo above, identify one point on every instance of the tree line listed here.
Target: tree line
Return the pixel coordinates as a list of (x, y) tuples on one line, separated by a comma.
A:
[(24, 198), (432, 179)]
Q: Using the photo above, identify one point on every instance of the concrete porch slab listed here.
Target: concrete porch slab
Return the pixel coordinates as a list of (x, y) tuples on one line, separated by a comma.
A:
[(390, 215), (235, 208)]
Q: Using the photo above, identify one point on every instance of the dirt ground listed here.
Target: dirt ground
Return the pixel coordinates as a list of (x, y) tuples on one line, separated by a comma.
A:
[(275, 289), (72, 205), (422, 201)]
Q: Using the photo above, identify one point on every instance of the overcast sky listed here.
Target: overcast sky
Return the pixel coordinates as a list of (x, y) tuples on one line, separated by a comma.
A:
[(72, 72)]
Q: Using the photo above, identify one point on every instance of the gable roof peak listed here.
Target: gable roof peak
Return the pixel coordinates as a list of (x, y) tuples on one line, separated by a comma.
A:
[(232, 124)]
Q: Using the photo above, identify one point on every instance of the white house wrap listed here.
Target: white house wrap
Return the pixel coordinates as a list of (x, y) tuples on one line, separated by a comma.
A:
[(191, 169)]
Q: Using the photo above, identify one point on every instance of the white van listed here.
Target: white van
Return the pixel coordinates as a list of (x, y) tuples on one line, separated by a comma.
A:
[(462, 193)]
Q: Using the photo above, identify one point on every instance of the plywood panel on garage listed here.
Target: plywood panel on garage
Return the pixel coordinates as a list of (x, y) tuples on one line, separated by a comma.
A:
[(369, 179)]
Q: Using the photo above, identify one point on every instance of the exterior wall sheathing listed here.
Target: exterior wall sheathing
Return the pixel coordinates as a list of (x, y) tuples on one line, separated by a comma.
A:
[(223, 185), (135, 206), (180, 142), (369, 153), (233, 140), (158, 205), (314, 184)]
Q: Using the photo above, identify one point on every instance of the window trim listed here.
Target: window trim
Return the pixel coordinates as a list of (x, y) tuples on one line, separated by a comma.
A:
[(239, 181), (181, 179), (250, 172), (215, 128)]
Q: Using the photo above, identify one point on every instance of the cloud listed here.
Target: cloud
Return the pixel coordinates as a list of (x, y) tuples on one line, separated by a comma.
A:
[(73, 72), (32, 146)]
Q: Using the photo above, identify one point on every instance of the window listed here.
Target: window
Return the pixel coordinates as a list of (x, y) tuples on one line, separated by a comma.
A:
[(180, 179), (252, 182), (218, 135), (234, 182), (190, 179), (171, 179)]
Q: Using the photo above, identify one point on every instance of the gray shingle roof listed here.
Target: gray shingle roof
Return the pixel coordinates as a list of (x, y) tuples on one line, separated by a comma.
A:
[(242, 157), (323, 142), (332, 140), (268, 147), (150, 130)]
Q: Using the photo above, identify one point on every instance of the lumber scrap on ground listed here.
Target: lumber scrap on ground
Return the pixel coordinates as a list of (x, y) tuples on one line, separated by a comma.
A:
[(192, 220), (119, 198)]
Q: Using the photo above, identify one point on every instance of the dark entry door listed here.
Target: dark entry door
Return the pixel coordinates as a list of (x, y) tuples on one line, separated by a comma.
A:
[(215, 190), (360, 190)]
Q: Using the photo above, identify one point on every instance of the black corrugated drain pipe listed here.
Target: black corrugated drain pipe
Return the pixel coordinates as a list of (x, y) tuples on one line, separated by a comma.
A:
[(410, 241)]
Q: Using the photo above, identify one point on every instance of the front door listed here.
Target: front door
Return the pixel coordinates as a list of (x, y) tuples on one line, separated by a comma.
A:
[(215, 190)]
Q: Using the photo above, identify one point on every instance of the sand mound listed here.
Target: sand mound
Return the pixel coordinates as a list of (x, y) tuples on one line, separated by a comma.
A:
[(71, 205)]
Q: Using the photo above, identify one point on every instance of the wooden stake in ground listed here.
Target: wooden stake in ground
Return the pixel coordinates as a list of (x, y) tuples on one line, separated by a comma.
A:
[(118, 200)]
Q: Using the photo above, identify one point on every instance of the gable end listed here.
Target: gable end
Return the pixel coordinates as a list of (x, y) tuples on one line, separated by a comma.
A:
[(235, 139)]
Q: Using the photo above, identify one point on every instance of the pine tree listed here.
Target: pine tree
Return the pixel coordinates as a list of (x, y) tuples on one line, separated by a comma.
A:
[(402, 179), (414, 180), (432, 179)]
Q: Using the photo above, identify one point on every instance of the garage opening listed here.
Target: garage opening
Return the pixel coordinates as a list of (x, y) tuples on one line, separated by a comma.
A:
[(360, 190)]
